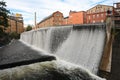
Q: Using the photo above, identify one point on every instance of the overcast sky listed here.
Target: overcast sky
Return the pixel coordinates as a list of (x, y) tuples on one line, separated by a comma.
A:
[(44, 8)]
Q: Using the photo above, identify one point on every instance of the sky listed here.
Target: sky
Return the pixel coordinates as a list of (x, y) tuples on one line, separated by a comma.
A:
[(44, 8)]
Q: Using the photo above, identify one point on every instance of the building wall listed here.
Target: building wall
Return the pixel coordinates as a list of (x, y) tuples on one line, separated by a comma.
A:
[(65, 21), (12, 26), (53, 20), (116, 8), (57, 18), (98, 13), (15, 24), (77, 17), (118, 5), (20, 28)]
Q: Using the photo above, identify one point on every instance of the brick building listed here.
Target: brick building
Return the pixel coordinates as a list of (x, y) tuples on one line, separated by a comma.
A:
[(116, 15), (15, 23), (117, 8), (98, 13), (77, 17), (54, 19), (65, 21)]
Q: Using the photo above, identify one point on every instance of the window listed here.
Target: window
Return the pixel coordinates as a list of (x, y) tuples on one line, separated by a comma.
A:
[(102, 10), (102, 20), (101, 15), (57, 15), (70, 16), (111, 9), (97, 15), (93, 21), (89, 17), (93, 16)]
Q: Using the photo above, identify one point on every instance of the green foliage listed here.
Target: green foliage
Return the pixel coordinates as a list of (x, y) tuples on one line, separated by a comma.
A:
[(4, 37), (14, 35), (3, 14), (29, 27), (3, 23)]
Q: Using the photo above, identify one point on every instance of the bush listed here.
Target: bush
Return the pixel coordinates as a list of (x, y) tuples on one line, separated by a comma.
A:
[(4, 37), (14, 35), (29, 27)]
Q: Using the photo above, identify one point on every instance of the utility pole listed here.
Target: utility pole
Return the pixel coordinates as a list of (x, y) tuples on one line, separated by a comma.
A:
[(35, 21), (16, 24)]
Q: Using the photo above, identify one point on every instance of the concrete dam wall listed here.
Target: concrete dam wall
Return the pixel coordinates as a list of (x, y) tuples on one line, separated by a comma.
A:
[(80, 44), (57, 53)]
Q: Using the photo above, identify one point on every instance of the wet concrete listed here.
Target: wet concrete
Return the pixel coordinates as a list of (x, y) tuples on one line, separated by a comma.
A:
[(17, 53), (115, 66)]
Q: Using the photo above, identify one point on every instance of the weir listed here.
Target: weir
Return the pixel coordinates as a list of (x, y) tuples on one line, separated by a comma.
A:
[(78, 44), (78, 49)]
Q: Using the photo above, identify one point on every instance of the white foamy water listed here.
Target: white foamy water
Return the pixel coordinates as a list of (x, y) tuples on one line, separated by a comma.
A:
[(49, 70), (83, 46)]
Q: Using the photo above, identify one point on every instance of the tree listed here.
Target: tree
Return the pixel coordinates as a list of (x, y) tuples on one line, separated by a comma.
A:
[(3, 15), (29, 27), (4, 37)]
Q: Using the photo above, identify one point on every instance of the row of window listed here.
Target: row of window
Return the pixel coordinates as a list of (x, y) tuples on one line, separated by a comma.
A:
[(96, 16), (99, 10), (98, 21), (94, 21)]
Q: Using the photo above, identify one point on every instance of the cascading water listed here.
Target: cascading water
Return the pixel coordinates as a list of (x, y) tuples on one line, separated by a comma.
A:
[(84, 46), (47, 39), (81, 45), (24, 63)]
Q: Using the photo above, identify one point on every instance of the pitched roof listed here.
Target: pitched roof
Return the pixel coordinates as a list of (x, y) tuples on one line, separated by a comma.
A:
[(48, 17), (99, 5)]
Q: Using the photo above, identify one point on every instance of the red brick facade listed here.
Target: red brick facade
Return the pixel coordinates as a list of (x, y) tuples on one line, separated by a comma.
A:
[(53, 20), (66, 21), (15, 24), (98, 13), (77, 17)]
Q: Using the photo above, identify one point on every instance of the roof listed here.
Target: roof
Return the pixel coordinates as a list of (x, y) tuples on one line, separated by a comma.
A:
[(99, 5), (48, 17), (19, 19), (45, 18)]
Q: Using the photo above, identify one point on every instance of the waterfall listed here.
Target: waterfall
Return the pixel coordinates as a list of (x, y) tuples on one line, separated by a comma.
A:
[(84, 46), (81, 44), (47, 39)]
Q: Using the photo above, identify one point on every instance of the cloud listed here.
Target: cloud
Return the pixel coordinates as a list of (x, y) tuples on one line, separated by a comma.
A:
[(44, 8)]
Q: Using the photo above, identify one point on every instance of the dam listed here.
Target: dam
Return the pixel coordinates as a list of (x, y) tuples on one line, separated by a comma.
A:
[(76, 54), (81, 45)]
